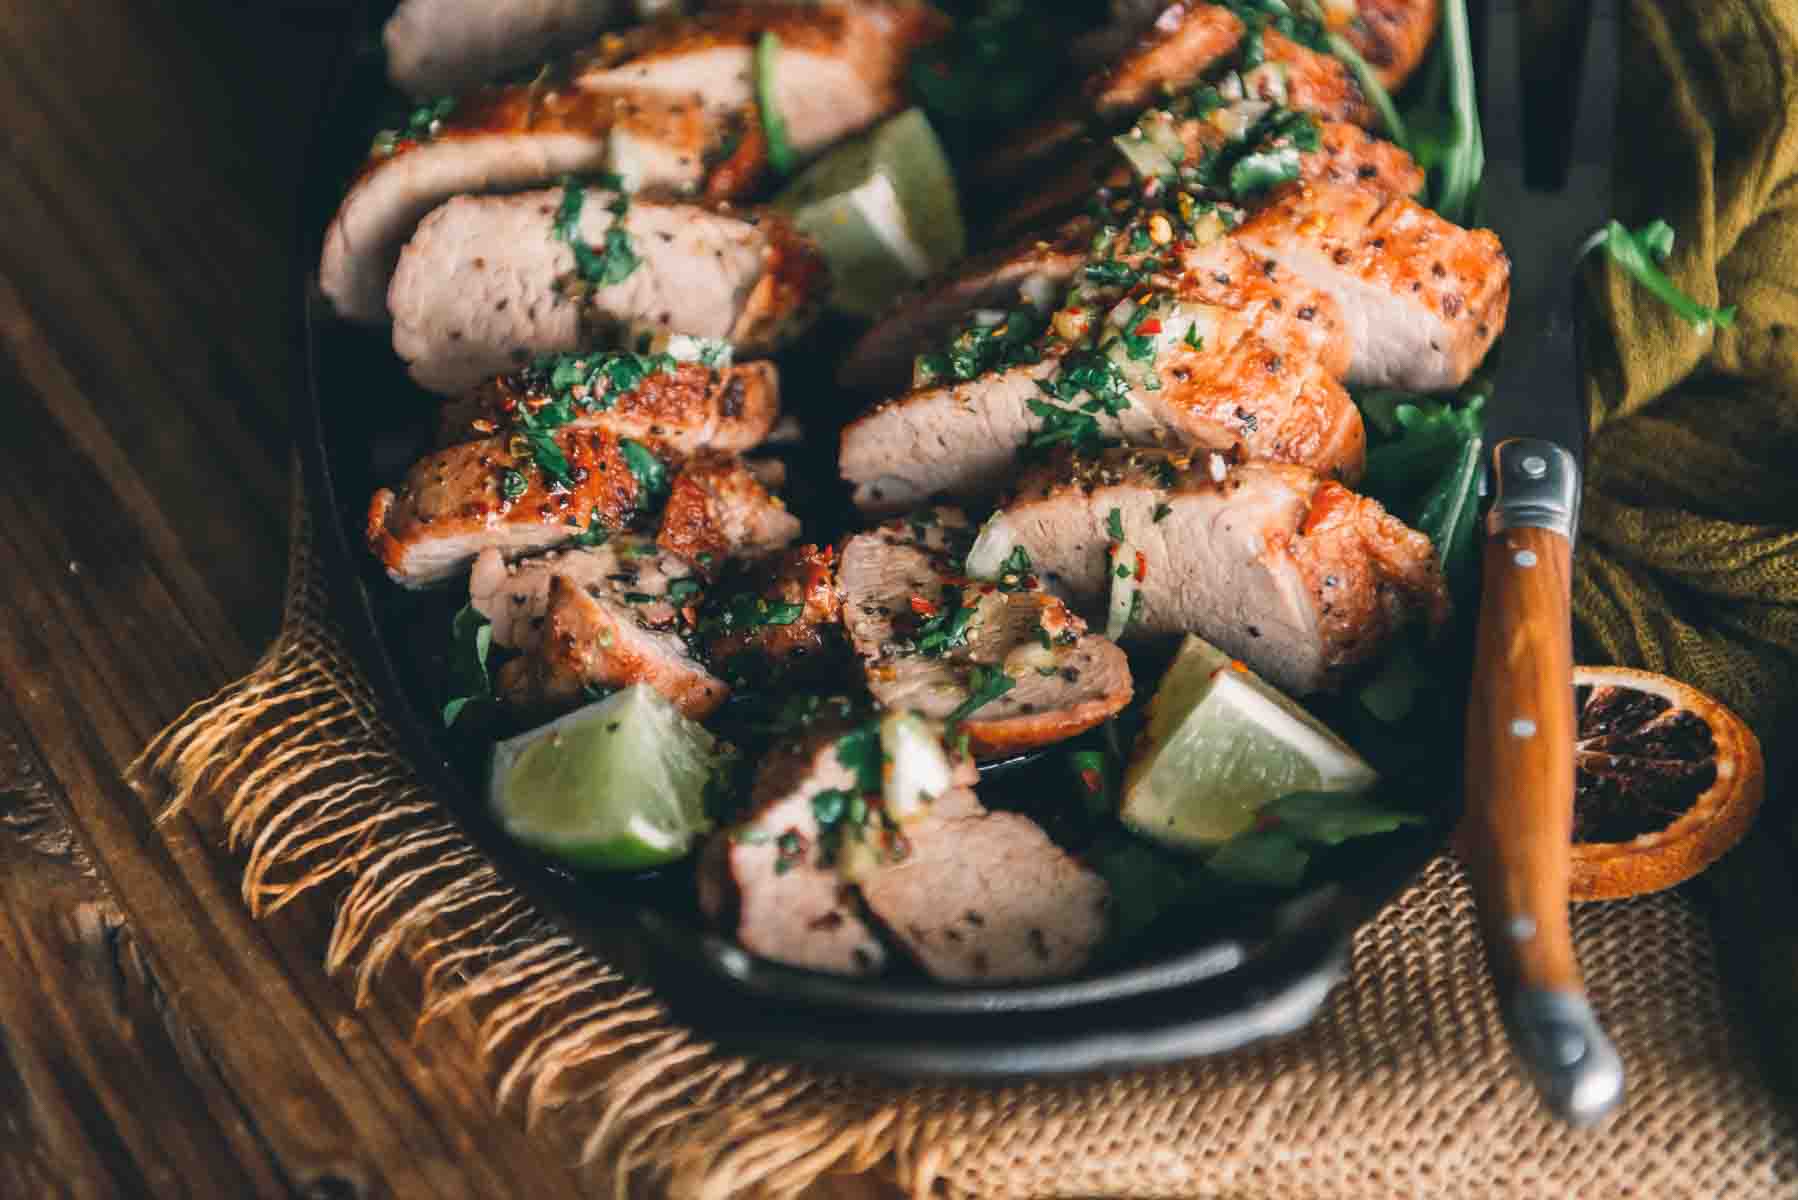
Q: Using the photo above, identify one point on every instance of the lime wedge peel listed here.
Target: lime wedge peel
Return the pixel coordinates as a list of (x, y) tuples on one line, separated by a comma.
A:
[(619, 784), (1220, 745), (883, 210)]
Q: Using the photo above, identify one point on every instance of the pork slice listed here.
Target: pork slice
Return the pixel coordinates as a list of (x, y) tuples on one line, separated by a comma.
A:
[(771, 878), (440, 47), (453, 504), (718, 510), (803, 644), (1034, 272), (1392, 35), (687, 407), (1255, 385), (840, 67), (661, 106), (958, 439), (485, 285), (1348, 153), (631, 568), (1290, 572), (990, 899), (1424, 298), (895, 581), (1176, 51), (592, 637)]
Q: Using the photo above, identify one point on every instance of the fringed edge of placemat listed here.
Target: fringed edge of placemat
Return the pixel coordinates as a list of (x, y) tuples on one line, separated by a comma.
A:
[(311, 796), (1402, 1086)]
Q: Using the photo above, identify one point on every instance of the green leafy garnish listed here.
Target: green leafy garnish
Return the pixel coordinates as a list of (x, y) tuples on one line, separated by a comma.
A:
[(1462, 155), (1276, 853), (422, 124), (747, 610), (1114, 524), (512, 484), (591, 382), (774, 125), (980, 348), (650, 472), (947, 629), (985, 685), (471, 639), (617, 259), (1641, 253), (1015, 570), (859, 750)]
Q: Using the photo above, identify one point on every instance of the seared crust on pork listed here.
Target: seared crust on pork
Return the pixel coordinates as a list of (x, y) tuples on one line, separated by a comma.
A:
[(594, 637), (718, 510), (1424, 298), (441, 47), (898, 577), (687, 407), (455, 503), (1290, 572)]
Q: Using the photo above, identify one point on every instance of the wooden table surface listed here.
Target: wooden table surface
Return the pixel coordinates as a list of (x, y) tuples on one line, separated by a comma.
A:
[(153, 1040)]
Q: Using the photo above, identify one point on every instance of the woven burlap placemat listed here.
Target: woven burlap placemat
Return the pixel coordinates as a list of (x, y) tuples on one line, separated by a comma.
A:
[(1402, 1087)]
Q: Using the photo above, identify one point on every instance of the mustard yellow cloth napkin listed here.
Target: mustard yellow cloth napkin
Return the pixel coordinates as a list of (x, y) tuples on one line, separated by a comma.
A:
[(1688, 562)]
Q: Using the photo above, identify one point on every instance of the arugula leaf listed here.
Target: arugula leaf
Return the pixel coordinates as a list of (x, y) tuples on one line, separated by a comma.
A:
[(650, 472), (774, 125), (985, 685), (1464, 158), (471, 639), (1331, 818), (1450, 508), (1144, 882), (1641, 253), (1261, 858), (1430, 435)]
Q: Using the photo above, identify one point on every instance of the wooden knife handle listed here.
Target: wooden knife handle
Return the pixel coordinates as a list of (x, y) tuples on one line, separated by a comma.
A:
[(1517, 831)]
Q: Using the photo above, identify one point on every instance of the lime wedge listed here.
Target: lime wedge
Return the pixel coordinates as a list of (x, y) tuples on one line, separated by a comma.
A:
[(883, 210), (617, 785), (1220, 744)]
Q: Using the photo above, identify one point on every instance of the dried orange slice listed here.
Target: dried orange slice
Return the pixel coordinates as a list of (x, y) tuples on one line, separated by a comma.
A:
[(1668, 780)]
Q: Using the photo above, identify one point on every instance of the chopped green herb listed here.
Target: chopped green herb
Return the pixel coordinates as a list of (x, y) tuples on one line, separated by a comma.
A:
[(985, 685), (512, 484), (595, 534), (650, 472), (947, 629), (1114, 524), (1192, 337), (1161, 512), (745, 611), (617, 259), (979, 348), (1015, 570), (423, 124), (1111, 272), (859, 750), (591, 382), (681, 592)]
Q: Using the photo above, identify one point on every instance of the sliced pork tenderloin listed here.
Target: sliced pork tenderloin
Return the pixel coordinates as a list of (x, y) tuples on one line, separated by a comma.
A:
[(514, 596), (929, 639), (686, 406), (1177, 50), (1254, 383), (989, 898), (783, 620), (1392, 35), (457, 502), (485, 285), (717, 510), (441, 47), (1290, 572), (661, 106), (782, 882), (1033, 273), (595, 636), (1424, 298)]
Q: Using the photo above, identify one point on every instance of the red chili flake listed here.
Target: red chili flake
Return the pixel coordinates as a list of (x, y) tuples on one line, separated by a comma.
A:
[(923, 607), (1149, 327), (509, 404), (1090, 777), (1236, 664), (1142, 567)]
